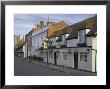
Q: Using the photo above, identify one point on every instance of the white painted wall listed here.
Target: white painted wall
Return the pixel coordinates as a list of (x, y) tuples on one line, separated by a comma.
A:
[(45, 56), (82, 64), (51, 57), (58, 44), (72, 43), (60, 61), (94, 43), (88, 66), (94, 54), (94, 61), (37, 40), (70, 58), (89, 41)]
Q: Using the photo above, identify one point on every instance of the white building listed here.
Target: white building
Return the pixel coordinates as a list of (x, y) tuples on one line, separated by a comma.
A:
[(37, 39), (76, 48)]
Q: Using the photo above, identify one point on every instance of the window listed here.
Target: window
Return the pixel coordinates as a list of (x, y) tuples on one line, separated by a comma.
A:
[(64, 56), (81, 36), (64, 39), (83, 56)]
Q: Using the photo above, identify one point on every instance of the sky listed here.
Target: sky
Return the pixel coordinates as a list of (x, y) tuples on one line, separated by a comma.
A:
[(23, 23)]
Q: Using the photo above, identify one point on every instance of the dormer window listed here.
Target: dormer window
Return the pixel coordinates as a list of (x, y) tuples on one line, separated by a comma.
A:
[(81, 36)]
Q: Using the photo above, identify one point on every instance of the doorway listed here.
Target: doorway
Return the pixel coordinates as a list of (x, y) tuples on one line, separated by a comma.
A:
[(76, 60), (55, 58)]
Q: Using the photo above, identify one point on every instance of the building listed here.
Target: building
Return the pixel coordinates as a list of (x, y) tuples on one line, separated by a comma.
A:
[(18, 43), (74, 46), (38, 38), (17, 40), (54, 32), (28, 42), (56, 27)]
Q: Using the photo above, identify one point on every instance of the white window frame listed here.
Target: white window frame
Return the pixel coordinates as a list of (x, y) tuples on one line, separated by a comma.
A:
[(64, 55), (81, 36), (83, 56)]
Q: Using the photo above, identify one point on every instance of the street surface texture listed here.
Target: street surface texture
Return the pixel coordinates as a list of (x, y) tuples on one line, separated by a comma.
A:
[(23, 68), (38, 68)]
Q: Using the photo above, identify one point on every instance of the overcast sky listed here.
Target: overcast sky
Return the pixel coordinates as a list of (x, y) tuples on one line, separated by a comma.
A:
[(23, 23)]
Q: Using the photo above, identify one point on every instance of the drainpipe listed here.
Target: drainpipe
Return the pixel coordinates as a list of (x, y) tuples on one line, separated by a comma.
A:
[(47, 57)]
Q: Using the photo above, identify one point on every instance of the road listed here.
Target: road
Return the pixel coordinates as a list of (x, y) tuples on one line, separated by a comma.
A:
[(23, 68)]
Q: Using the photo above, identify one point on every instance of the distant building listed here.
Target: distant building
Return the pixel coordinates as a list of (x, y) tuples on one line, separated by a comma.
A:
[(28, 42), (16, 40), (18, 45)]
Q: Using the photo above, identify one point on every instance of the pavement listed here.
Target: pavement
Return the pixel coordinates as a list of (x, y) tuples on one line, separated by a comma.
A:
[(67, 70)]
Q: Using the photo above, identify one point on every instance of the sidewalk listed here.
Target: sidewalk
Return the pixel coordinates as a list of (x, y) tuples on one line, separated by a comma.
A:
[(69, 71)]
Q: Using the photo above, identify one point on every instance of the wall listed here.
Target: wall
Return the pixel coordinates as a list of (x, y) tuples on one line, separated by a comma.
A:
[(70, 57), (88, 66), (94, 61), (58, 44), (94, 43), (82, 64), (89, 41), (72, 43), (94, 54), (37, 40), (44, 55)]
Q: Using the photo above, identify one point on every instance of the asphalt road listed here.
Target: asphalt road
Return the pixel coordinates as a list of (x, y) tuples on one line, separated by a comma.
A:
[(23, 68)]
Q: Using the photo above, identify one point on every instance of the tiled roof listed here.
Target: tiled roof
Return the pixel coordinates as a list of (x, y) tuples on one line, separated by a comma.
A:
[(73, 35), (56, 27), (66, 30), (90, 23)]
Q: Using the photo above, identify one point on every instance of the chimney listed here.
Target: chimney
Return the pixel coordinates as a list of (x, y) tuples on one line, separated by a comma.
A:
[(41, 23), (49, 22)]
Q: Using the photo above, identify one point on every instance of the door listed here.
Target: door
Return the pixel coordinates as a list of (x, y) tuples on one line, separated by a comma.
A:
[(76, 60), (55, 58)]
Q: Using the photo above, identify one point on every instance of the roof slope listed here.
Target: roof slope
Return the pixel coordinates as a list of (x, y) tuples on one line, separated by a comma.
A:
[(56, 27), (90, 23)]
